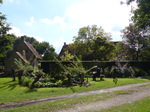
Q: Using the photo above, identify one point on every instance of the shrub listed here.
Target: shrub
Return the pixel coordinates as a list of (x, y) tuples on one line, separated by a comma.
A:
[(138, 72), (59, 83), (26, 81)]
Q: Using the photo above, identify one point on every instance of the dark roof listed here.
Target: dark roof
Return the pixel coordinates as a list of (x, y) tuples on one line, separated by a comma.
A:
[(65, 46), (33, 50)]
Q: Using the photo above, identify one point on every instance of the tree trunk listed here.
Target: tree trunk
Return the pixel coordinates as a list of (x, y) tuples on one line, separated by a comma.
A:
[(35, 80)]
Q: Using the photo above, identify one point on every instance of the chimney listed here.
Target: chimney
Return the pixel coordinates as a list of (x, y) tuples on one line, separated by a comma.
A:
[(22, 39)]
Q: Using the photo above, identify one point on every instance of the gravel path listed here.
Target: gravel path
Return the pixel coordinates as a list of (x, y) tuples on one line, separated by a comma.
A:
[(140, 93)]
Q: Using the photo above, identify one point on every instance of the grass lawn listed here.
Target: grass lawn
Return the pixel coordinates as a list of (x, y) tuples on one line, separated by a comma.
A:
[(12, 92), (52, 106), (138, 106)]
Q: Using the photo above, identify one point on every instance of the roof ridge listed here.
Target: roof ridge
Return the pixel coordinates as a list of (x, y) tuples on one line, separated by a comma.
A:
[(33, 50), (21, 56)]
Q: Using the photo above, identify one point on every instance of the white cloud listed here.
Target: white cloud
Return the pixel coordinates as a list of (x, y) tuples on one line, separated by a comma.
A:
[(31, 22), (13, 1), (59, 44), (56, 20), (105, 13), (40, 39), (10, 1), (16, 31)]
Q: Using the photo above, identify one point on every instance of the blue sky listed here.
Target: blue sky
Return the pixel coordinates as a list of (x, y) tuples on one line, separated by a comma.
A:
[(58, 21)]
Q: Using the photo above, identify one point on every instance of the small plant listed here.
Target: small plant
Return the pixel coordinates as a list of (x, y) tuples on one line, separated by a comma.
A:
[(73, 72), (59, 83), (26, 81), (37, 73), (115, 80), (26, 70), (122, 70)]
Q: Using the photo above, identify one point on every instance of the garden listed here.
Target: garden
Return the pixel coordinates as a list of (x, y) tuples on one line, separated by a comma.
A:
[(11, 93), (33, 77)]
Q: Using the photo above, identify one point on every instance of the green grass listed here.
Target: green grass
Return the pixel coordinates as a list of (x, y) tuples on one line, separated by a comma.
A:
[(65, 103), (124, 92), (59, 104), (138, 106), (12, 92)]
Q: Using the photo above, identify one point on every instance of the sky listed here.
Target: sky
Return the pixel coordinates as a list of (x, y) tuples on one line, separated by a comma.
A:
[(58, 21)]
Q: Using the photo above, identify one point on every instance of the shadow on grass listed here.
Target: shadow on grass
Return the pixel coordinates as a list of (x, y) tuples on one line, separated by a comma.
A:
[(31, 90), (9, 85), (99, 80), (73, 90), (8, 82)]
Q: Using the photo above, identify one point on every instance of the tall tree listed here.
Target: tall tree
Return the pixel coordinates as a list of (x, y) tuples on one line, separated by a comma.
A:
[(135, 41), (46, 50), (136, 35), (49, 53), (103, 49), (5, 38), (86, 42), (141, 15)]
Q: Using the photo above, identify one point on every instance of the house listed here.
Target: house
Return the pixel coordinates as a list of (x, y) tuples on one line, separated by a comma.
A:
[(64, 48), (24, 51)]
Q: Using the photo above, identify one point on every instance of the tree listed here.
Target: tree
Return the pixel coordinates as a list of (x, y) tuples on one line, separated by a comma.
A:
[(135, 41), (46, 50), (66, 57), (26, 70), (49, 54), (73, 71), (136, 35), (86, 40), (141, 15), (6, 39), (102, 49), (120, 52)]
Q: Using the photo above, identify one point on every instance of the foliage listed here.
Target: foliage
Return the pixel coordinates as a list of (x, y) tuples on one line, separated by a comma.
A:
[(136, 35), (28, 71), (22, 66), (5, 38), (67, 56), (73, 72), (138, 72), (26, 81), (102, 49), (120, 51), (45, 49), (92, 43), (141, 14), (122, 70), (136, 42)]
